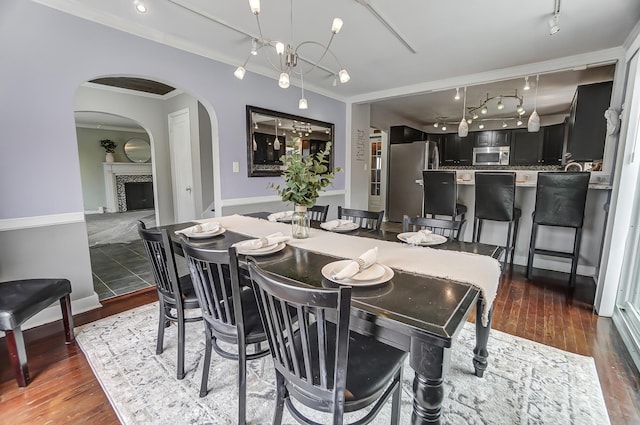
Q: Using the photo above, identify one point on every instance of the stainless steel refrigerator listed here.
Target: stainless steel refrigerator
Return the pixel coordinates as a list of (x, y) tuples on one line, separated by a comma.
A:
[(406, 163)]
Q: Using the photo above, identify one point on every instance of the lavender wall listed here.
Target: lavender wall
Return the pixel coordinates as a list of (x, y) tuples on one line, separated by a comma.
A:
[(47, 54)]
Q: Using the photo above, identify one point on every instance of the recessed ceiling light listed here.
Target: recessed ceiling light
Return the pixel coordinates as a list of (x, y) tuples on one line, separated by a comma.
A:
[(141, 7)]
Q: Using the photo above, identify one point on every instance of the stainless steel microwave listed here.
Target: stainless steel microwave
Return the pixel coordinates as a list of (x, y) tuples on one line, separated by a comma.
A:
[(497, 155)]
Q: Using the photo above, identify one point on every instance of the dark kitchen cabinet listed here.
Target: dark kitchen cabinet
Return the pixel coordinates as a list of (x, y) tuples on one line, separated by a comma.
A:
[(404, 134), (587, 125), (553, 143), (493, 138), (457, 150), (541, 147), (526, 148)]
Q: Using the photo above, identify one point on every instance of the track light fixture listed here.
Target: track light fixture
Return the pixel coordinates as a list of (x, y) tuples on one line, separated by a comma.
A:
[(140, 6), (288, 55), (500, 105), (526, 83), (457, 96), (554, 20)]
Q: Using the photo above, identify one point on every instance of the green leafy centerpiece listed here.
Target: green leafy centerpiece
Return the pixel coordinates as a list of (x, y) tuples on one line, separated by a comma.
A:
[(304, 177), (109, 147)]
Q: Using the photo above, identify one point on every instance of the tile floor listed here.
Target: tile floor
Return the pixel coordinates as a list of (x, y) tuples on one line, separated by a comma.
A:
[(121, 268)]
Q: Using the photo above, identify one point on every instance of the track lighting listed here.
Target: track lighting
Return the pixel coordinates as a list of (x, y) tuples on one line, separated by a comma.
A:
[(554, 24), (500, 105), (519, 122), (504, 124), (481, 126), (526, 84), (140, 6), (457, 96), (444, 127), (484, 110)]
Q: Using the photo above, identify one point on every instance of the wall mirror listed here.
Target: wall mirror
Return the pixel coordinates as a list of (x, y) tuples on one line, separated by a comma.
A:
[(271, 134), (137, 150)]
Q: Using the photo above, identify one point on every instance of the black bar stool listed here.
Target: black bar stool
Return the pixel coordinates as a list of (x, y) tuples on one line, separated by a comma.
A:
[(441, 195), (495, 201), (560, 201)]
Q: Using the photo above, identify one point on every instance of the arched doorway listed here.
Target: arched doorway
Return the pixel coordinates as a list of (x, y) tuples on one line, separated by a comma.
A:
[(120, 265)]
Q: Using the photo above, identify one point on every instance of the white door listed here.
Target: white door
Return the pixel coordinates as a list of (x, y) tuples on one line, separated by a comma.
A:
[(181, 167), (377, 171)]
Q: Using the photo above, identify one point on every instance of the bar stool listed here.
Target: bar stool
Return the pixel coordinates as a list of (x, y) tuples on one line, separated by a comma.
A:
[(441, 195), (560, 202), (495, 201)]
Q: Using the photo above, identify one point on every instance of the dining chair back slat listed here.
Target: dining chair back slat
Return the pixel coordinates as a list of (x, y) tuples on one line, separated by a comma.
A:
[(319, 213), (370, 220)]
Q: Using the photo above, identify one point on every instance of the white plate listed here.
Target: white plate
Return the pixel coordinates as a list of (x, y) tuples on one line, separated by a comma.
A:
[(435, 239), (344, 228), (357, 280), (202, 235), (269, 249)]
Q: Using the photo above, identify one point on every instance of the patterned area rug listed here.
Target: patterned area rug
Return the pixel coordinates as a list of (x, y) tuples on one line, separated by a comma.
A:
[(526, 382)]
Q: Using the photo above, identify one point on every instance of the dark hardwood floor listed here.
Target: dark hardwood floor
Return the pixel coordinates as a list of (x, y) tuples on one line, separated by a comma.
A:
[(64, 389)]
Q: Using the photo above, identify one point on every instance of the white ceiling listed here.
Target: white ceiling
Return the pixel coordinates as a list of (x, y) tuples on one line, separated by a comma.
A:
[(450, 38), (104, 121)]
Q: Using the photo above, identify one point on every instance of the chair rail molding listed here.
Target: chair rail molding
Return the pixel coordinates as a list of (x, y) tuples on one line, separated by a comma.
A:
[(113, 169)]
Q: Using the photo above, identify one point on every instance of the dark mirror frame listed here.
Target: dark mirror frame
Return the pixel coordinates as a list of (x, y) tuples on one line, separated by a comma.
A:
[(262, 159)]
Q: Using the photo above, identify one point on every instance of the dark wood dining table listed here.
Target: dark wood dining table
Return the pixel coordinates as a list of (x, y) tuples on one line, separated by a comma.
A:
[(416, 313)]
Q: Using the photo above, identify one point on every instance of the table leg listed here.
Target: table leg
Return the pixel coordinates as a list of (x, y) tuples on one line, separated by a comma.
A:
[(480, 353), (430, 363)]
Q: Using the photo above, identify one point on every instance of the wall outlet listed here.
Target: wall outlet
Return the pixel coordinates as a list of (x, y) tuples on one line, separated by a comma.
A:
[(236, 167)]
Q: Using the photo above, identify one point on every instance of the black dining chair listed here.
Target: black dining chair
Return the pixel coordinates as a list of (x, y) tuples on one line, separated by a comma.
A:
[(318, 361), (440, 197), (229, 311), (560, 201), (370, 220), (447, 228), (319, 213), (174, 292)]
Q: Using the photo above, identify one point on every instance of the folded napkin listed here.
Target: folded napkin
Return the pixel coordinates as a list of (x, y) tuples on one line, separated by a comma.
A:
[(422, 236), (253, 244), (334, 224), (211, 226), (356, 266), (280, 215)]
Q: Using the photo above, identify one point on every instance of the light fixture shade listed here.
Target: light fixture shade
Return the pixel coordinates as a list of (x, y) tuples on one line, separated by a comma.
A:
[(504, 124), (474, 116), (519, 122), (481, 126), (435, 125), (344, 76), (484, 110), (336, 26), (303, 104), (279, 47), (463, 128), (526, 84), (276, 144), (469, 120), (255, 6), (444, 127), (239, 72), (520, 109), (534, 122), (284, 80), (500, 105), (457, 96)]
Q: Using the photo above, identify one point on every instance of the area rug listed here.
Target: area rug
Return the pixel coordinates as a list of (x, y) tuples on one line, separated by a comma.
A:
[(526, 382)]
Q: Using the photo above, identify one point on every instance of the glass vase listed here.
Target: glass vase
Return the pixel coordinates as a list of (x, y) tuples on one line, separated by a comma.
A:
[(300, 222)]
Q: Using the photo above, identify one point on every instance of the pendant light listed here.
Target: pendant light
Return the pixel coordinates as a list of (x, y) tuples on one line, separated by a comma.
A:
[(534, 120), (463, 128)]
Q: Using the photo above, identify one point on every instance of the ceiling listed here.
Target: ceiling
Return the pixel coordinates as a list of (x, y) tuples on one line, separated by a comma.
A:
[(449, 38), (104, 121)]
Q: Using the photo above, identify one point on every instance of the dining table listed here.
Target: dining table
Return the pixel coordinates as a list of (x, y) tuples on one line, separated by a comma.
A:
[(414, 312)]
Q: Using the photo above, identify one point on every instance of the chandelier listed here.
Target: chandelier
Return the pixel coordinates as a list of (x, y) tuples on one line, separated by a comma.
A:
[(483, 107), (288, 55)]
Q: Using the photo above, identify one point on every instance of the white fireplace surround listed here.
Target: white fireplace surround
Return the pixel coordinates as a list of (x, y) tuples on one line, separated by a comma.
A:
[(113, 169)]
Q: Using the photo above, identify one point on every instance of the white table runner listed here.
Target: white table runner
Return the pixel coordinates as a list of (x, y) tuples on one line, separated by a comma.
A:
[(480, 271)]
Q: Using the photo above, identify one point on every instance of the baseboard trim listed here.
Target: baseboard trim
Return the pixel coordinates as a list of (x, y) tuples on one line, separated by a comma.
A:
[(273, 198), (556, 266), (40, 221)]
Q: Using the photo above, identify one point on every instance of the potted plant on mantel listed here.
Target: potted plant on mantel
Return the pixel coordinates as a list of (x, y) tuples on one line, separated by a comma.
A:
[(109, 147), (304, 178)]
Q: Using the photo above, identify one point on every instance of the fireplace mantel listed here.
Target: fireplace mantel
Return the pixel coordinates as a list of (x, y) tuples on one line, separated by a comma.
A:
[(113, 169)]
